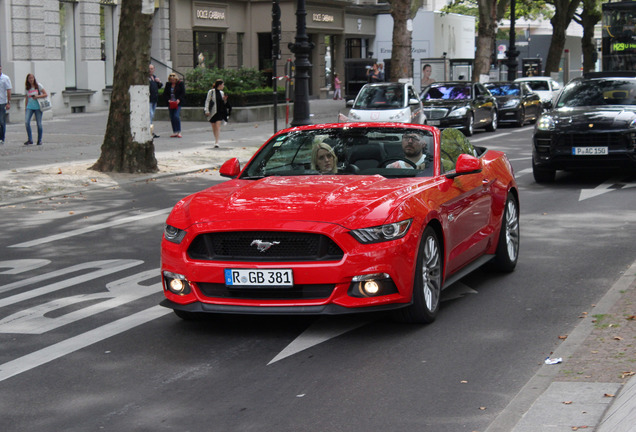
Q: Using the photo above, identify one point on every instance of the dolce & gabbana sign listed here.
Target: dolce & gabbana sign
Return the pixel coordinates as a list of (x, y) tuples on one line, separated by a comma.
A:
[(209, 15)]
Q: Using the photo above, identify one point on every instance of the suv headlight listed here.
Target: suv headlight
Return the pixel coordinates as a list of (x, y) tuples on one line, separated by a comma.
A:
[(545, 123), (377, 234), (511, 103)]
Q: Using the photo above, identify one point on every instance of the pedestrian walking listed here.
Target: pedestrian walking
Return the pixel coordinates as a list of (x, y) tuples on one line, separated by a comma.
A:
[(174, 93), (32, 92), (217, 109), (154, 84), (337, 93), (5, 103)]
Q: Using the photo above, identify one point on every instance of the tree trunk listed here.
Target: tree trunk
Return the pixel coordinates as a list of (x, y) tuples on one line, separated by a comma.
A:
[(120, 152), (401, 63), (563, 14), (590, 15), (486, 40)]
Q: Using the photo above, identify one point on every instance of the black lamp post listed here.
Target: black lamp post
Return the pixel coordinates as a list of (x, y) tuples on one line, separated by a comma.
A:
[(512, 52), (301, 48)]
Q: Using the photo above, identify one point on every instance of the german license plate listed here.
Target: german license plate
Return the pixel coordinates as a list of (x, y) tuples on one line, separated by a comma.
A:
[(259, 277), (589, 151), (432, 122)]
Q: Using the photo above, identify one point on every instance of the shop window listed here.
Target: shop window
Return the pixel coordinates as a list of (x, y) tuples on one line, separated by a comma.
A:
[(239, 49), (68, 43), (265, 63), (356, 48), (208, 49)]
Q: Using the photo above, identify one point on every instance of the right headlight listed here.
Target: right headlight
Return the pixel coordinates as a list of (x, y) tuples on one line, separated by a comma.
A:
[(545, 123)]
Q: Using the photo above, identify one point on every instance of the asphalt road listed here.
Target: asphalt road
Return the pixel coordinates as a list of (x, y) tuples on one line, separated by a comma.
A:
[(85, 346)]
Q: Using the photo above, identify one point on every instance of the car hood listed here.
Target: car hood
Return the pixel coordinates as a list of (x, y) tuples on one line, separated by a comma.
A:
[(605, 117), (350, 201), (375, 114)]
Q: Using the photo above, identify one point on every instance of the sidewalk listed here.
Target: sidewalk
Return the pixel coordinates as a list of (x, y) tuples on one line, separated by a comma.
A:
[(548, 402)]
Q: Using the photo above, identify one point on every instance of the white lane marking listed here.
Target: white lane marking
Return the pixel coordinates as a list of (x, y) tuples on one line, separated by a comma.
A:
[(91, 228), (104, 268), (68, 346), (604, 188), (22, 265), (320, 331), (34, 320), (523, 172)]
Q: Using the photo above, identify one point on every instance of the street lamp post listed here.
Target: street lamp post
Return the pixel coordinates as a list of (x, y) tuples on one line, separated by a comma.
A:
[(301, 48), (512, 52)]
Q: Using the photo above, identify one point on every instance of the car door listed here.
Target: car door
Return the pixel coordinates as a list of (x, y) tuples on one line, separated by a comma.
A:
[(468, 205), (483, 104), (530, 100)]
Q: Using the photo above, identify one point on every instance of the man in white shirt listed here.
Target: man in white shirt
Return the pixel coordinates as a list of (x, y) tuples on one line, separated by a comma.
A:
[(5, 103), (413, 148)]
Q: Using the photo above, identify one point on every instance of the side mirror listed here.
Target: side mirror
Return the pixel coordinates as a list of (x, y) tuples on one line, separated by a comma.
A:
[(349, 103), (414, 101), (466, 164), (230, 168)]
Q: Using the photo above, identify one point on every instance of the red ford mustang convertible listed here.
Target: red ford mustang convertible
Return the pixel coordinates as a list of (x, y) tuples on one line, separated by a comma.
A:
[(342, 218)]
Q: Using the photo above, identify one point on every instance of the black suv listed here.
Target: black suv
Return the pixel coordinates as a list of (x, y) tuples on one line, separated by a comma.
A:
[(592, 125)]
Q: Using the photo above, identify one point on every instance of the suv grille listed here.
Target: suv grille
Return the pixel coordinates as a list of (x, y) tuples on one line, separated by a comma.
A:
[(611, 140), (242, 246)]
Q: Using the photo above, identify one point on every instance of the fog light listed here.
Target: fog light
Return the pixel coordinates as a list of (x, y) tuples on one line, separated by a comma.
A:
[(177, 286), (371, 288), (176, 283), (372, 285)]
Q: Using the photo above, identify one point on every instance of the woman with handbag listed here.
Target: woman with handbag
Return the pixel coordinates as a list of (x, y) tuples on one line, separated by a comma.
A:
[(175, 95), (217, 109), (34, 94)]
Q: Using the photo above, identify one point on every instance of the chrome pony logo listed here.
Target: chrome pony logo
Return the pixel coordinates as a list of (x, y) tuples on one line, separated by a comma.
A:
[(263, 246)]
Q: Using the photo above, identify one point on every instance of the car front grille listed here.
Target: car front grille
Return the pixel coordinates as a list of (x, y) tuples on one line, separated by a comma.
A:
[(613, 140), (283, 246), (435, 113), (297, 292)]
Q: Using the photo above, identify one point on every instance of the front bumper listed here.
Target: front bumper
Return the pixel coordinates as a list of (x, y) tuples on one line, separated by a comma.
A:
[(320, 287), (554, 150)]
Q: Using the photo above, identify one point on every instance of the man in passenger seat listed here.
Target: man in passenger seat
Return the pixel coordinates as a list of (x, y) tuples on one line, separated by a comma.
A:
[(413, 148)]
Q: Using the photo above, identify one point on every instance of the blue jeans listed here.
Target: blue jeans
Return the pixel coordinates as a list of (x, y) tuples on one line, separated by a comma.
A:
[(3, 121), (175, 119), (27, 121), (153, 107)]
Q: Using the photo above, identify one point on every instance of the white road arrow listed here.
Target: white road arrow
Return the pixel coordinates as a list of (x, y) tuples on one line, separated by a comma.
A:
[(603, 188)]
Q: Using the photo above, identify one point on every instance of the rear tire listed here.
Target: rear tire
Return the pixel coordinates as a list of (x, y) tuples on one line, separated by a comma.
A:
[(427, 284), (507, 253), (521, 119)]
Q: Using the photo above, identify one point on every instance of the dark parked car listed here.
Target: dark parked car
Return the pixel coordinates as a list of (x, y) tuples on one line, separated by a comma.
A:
[(517, 102), (593, 125), (460, 104)]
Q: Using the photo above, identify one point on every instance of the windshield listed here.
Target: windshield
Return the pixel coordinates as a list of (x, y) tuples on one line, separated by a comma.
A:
[(447, 92), (504, 89), (391, 152), (598, 92), (380, 97)]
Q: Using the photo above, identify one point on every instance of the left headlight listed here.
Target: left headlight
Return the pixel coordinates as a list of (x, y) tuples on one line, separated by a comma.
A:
[(382, 233), (459, 112), (511, 103), (173, 234), (400, 115)]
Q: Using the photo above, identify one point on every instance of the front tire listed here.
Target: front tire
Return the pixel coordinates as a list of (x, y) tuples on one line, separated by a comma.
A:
[(492, 127), (507, 253), (427, 285), (543, 175), (470, 125)]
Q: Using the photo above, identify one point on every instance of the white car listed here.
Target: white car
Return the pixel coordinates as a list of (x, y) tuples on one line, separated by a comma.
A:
[(387, 102), (547, 88)]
